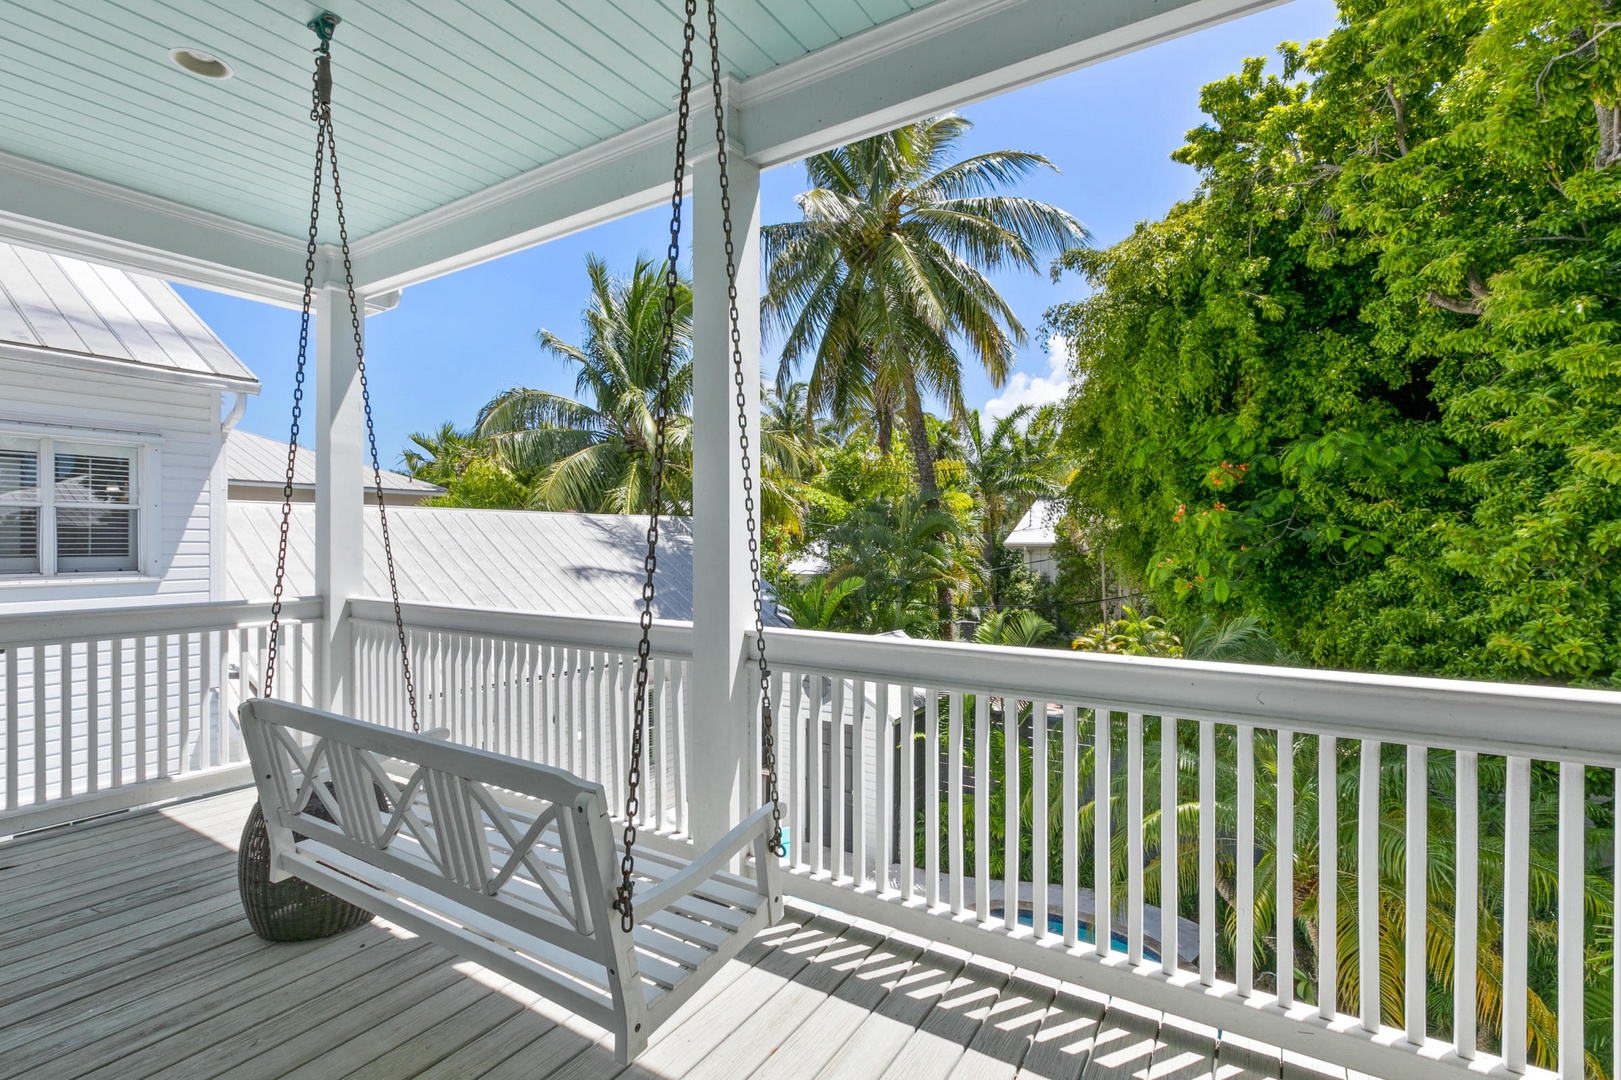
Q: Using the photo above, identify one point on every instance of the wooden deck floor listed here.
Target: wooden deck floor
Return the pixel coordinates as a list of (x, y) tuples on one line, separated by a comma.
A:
[(124, 954)]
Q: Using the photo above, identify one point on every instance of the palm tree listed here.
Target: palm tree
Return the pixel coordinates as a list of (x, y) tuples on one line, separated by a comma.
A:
[(815, 605), (1007, 468), (1022, 627), (886, 273), (596, 454), (441, 456)]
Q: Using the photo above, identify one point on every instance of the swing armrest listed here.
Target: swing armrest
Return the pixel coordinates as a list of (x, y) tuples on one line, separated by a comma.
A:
[(756, 826)]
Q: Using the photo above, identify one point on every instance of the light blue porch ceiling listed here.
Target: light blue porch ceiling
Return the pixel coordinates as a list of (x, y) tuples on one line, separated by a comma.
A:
[(435, 99)]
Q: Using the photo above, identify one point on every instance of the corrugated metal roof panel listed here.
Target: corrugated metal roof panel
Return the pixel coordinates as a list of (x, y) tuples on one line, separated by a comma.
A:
[(76, 308), (570, 564), (254, 459)]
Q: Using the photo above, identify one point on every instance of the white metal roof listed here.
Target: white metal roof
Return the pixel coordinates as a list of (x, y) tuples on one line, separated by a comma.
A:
[(1035, 529), (96, 313), (254, 459), (571, 564)]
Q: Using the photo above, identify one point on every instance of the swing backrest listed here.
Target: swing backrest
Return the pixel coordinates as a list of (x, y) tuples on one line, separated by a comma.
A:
[(506, 857)]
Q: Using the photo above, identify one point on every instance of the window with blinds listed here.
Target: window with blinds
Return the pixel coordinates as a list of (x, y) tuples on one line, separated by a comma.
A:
[(95, 512), (68, 507), (19, 511)]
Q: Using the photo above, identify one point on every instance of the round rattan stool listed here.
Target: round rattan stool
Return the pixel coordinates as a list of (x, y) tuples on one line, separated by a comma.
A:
[(290, 910)]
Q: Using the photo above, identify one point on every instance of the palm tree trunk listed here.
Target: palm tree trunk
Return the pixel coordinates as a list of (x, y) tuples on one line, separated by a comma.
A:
[(917, 431)]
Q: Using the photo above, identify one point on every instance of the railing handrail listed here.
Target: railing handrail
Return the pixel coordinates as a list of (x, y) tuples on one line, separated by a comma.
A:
[(594, 631), (1544, 722), (55, 627)]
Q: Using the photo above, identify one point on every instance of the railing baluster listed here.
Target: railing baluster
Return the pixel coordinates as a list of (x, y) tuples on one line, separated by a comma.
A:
[(1572, 918), (1516, 901), (1207, 852), (141, 708), (1416, 995), (1244, 938), (1103, 833), (1284, 862), (205, 736), (1466, 916), (41, 737), (115, 664), (1169, 847), (1013, 799), (679, 741), (1328, 876), (13, 747), (816, 778), (906, 725), (956, 736), (931, 797), (208, 667), (92, 715), (860, 726), (838, 772), (1069, 798), (64, 719), (798, 778), (184, 735), (1134, 838), (1040, 909), (163, 705), (1367, 886), (982, 806)]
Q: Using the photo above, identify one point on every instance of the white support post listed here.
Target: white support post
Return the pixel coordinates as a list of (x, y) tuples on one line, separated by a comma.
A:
[(724, 688), (339, 495)]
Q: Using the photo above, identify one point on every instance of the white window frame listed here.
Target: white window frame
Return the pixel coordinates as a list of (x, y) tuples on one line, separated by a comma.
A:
[(144, 453)]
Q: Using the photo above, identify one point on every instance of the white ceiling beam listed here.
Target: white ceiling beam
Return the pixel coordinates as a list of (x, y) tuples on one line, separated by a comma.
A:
[(948, 55), (63, 212), (944, 56)]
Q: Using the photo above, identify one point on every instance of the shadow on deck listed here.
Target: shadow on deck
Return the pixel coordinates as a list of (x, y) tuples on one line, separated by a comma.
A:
[(124, 954)]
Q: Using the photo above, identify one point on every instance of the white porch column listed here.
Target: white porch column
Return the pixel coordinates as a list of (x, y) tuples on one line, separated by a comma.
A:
[(339, 497), (724, 691)]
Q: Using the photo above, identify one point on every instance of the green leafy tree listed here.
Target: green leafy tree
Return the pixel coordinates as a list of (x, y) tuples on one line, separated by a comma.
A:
[(816, 604)]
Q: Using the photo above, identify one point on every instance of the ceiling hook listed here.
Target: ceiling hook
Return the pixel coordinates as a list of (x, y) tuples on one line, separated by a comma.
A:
[(325, 25)]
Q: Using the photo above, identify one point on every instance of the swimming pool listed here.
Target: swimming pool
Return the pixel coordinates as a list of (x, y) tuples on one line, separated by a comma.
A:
[(1055, 925)]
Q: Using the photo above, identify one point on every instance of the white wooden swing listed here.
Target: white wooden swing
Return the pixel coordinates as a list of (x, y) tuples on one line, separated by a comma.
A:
[(510, 863)]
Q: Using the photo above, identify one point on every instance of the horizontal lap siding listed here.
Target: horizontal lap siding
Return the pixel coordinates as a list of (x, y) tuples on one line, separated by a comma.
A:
[(185, 418)]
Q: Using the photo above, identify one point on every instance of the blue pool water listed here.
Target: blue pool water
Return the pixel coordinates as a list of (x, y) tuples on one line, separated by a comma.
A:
[(1055, 925)]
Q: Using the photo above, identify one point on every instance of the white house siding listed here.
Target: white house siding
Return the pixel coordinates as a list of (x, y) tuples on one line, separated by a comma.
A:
[(179, 424), (183, 422)]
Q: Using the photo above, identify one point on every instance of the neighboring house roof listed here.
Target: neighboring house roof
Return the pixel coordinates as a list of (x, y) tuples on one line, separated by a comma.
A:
[(253, 460), (571, 564), (1035, 529), (96, 314)]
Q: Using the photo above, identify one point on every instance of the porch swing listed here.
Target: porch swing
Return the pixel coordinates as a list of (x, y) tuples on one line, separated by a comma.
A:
[(509, 863)]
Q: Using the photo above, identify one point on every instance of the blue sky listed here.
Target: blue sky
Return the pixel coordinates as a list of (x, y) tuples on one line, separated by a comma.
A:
[(456, 341)]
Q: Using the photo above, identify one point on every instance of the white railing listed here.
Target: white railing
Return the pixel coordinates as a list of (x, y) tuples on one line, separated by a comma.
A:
[(106, 709), (548, 688), (956, 842), (934, 823)]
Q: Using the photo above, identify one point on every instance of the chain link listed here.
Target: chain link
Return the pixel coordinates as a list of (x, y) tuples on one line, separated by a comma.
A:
[(624, 900), (327, 145)]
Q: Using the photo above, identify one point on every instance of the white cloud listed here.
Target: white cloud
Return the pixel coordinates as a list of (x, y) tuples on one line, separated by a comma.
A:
[(1037, 390)]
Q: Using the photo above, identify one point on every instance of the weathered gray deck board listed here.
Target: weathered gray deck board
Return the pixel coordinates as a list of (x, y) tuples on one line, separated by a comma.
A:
[(1125, 1045), (130, 960)]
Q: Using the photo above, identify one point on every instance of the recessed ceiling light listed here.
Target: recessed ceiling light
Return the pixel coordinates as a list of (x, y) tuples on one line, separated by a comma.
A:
[(198, 62)]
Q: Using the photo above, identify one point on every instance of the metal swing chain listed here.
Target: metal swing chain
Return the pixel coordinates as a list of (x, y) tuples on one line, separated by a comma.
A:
[(624, 895), (326, 143), (768, 742)]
